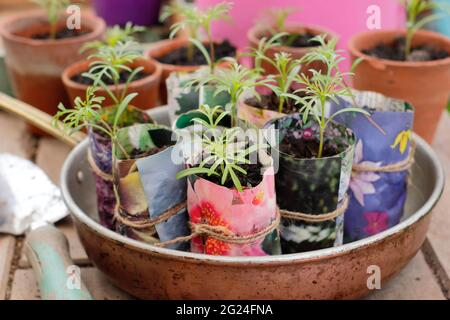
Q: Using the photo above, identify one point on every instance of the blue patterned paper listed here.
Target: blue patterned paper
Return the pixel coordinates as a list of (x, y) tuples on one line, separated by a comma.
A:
[(163, 191), (377, 198)]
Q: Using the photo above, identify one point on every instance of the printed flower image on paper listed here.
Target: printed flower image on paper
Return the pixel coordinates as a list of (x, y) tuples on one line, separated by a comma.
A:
[(362, 183), (377, 198), (242, 213)]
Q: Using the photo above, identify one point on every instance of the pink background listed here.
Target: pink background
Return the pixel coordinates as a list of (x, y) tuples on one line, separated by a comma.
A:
[(344, 17)]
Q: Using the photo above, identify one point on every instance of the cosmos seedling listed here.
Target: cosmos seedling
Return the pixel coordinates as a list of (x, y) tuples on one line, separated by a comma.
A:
[(287, 68), (234, 80), (53, 8), (195, 21), (109, 62), (277, 17), (414, 20), (87, 114), (224, 154), (321, 87), (114, 36)]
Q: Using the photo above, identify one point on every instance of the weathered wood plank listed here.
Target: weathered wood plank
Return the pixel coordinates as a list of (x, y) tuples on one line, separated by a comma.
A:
[(438, 234), (25, 287), (6, 256), (15, 140), (15, 137), (415, 282), (50, 156)]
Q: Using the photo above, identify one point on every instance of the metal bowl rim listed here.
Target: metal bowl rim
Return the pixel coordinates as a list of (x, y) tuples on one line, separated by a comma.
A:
[(304, 256)]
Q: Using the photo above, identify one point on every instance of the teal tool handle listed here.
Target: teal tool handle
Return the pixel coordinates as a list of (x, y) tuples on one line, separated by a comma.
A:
[(47, 250)]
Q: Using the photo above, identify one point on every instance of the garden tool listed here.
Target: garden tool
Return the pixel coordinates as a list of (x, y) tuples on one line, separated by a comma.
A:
[(30, 203)]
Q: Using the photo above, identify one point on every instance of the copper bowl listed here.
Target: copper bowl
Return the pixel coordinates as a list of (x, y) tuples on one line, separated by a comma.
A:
[(150, 272)]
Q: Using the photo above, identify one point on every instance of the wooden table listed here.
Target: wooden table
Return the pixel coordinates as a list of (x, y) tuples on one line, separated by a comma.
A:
[(426, 277)]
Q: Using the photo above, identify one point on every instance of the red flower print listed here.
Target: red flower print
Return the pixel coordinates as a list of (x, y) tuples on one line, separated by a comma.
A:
[(205, 213), (258, 199), (376, 222)]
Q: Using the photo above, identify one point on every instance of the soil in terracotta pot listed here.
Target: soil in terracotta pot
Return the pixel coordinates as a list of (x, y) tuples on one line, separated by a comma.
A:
[(60, 34), (250, 180), (396, 51), (271, 102), (179, 56), (124, 76), (299, 40)]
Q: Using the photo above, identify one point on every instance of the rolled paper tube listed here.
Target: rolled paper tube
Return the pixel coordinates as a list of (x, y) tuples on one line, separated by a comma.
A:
[(150, 197), (312, 186), (100, 153), (241, 214)]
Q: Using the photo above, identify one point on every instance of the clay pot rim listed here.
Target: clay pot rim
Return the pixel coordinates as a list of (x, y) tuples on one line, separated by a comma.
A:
[(319, 255), (258, 29), (98, 28), (72, 70), (178, 43), (357, 52)]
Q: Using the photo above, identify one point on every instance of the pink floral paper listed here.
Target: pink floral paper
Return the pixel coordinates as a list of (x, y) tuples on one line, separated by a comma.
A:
[(241, 212)]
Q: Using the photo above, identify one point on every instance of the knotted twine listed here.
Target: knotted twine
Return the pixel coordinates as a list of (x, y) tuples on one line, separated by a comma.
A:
[(220, 233), (315, 218), (403, 165)]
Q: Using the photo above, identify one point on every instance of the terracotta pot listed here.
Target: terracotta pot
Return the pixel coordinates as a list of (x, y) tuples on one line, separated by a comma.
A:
[(160, 49), (35, 66), (426, 85), (147, 87), (257, 32)]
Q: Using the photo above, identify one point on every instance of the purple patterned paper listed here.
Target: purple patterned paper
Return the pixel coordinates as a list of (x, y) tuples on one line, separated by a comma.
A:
[(100, 147), (377, 198)]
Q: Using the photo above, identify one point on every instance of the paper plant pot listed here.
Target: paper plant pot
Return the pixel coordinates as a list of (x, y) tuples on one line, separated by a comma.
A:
[(139, 12), (377, 198), (147, 88), (426, 85), (182, 99), (256, 116), (243, 213), (312, 186), (147, 186), (256, 33), (35, 66), (101, 162)]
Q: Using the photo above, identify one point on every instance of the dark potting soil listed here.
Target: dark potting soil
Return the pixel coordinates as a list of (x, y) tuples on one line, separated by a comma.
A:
[(124, 76), (299, 40), (396, 51), (271, 102), (136, 154), (303, 145), (60, 34), (179, 56), (249, 180)]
